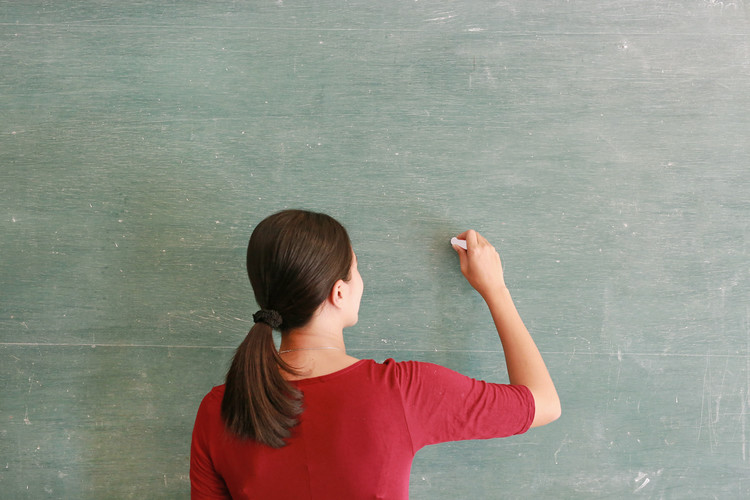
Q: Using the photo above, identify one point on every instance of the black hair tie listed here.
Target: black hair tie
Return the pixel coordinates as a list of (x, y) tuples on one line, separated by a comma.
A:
[(269, 317)]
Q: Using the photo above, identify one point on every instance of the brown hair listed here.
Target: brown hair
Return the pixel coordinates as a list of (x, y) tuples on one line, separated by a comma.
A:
[(293, 260)]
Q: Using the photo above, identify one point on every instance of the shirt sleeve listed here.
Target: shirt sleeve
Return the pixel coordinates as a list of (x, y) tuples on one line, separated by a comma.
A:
[(205, 482), (442, 405)]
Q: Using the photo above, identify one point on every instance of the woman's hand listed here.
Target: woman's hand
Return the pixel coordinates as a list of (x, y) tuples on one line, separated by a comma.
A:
[(480, 264)]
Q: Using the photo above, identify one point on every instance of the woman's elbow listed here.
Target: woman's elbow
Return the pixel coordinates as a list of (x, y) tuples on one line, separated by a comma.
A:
[(546, 412)]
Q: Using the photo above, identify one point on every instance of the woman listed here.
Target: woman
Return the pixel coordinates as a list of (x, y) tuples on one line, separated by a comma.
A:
[(310, 421)]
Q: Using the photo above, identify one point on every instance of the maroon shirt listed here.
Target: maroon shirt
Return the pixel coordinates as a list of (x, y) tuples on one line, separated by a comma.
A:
[(358, 434)]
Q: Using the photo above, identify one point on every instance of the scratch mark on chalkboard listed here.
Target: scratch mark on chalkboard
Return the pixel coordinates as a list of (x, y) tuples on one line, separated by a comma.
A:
[(619, 369), (703, 397), (564, 442), (721, 391), (743, 396), (745, 393), (572, 355), (445, 17), (641, 476), (711, 403)]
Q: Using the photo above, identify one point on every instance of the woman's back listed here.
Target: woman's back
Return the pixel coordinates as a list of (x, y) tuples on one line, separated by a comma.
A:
[(358, 433)]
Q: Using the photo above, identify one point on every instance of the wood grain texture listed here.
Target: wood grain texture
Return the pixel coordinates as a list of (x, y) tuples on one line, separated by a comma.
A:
[(602, 146)]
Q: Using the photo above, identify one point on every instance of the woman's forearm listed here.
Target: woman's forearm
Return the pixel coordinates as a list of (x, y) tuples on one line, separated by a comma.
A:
[(525, 363)]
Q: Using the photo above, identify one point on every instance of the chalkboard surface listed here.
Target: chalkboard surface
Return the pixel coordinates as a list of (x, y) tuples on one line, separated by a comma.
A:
[(601, 146)]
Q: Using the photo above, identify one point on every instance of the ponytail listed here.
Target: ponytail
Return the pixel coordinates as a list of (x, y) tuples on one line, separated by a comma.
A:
[(258, 403), (294, 258)]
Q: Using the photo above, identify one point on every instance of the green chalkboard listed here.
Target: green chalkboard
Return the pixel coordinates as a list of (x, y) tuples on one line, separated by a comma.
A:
[(601, 146)]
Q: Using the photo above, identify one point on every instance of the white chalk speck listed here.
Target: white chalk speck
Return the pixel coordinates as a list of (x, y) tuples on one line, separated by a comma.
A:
[(643, 485)]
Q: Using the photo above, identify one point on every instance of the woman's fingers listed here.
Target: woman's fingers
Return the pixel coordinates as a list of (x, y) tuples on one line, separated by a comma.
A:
[(480, 262)]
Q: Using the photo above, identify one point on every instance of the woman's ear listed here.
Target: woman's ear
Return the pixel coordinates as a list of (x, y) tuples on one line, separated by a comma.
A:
[(338, 294)]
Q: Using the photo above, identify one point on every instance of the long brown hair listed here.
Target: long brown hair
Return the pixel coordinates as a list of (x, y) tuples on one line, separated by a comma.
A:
[(293, 260)]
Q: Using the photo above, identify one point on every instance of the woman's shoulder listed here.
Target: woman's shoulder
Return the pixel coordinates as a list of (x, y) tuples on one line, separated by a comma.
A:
[(411, 366), (214, 396), (407, 371)]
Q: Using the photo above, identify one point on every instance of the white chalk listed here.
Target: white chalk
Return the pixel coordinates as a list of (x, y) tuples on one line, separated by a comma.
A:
[(461, 243)]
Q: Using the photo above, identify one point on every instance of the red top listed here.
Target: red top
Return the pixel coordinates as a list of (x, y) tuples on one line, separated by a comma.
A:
[(358, 433)]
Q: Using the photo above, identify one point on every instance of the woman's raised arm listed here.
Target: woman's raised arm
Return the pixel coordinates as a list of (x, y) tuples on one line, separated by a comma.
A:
[(481, 266)]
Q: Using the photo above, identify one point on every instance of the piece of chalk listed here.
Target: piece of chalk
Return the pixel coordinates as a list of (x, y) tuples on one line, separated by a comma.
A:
[(461, 243)]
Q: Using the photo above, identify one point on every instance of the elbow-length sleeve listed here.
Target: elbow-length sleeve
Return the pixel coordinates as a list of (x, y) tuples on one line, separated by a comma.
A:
[(442, 405)]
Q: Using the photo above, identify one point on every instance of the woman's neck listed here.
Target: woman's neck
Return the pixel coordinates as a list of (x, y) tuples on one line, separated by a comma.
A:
[(318, 333)]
